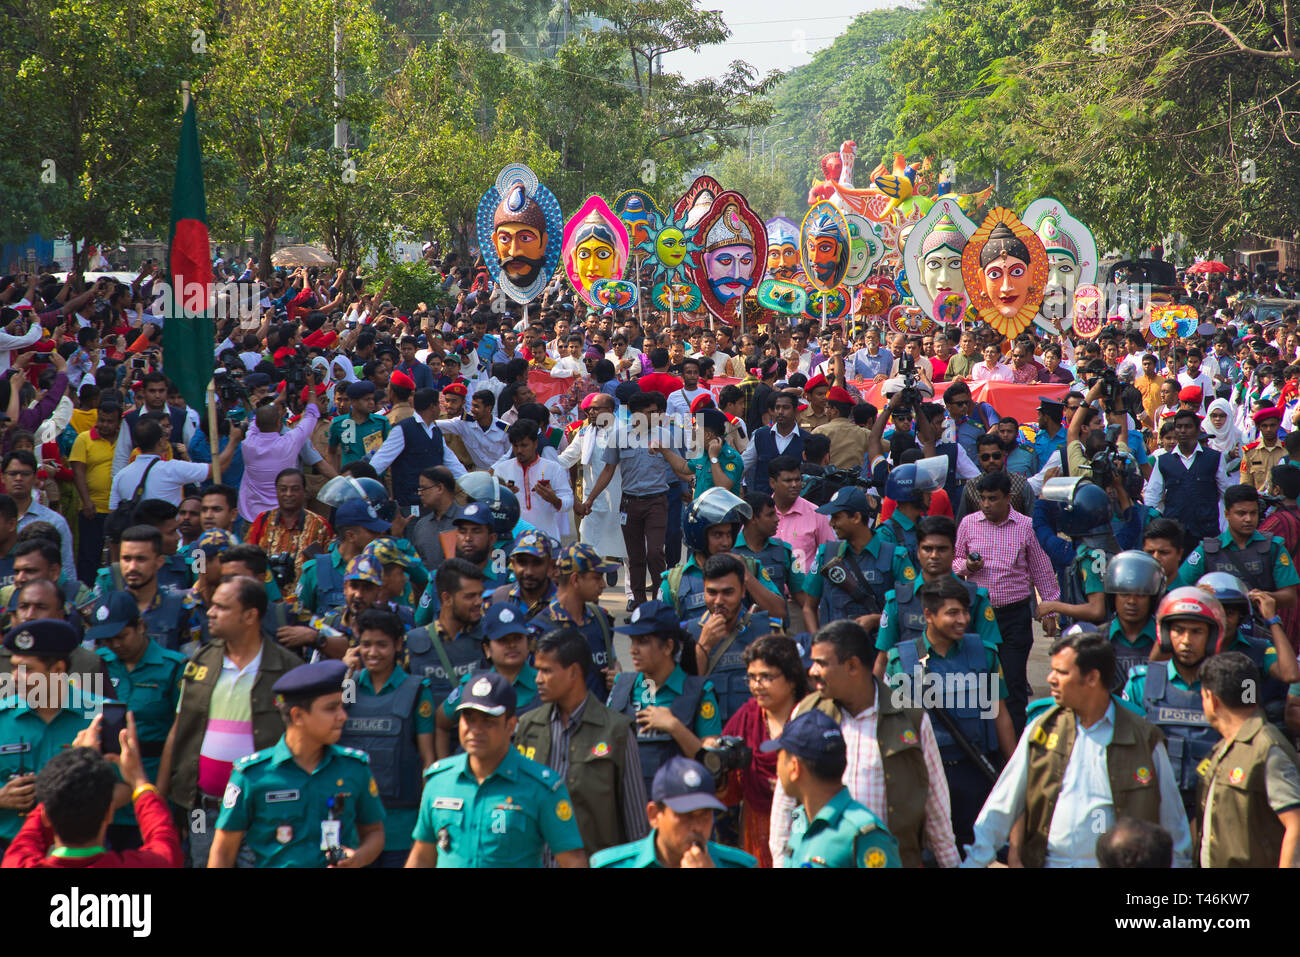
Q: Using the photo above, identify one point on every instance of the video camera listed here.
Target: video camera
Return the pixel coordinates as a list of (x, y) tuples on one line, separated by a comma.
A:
[(229, 389), (729, 754), (910, 396), (1112, 390)]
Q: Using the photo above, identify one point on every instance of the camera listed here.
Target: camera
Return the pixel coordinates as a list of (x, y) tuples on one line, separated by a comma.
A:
[(1112, 390), (729, 754), (910, 396), (229, 389), (282, 567)]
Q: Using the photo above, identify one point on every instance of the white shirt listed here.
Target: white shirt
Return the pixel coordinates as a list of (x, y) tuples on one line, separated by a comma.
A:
[(1084, 808), (782, 443), (8, 343), (568, 367), (395, 444), (679, 403), (485, 446), (1203, 380), (532, 507), (166, 480), (1154, 495)]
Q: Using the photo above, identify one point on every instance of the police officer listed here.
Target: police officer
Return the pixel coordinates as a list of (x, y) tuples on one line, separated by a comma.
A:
[(532, 561), (30, 734), (581, 581), (972, 691), (1191, 624), (162, 609), (1261, 455), (363, 583), (1273, 656), (830, 829), (143, 674), (1050, 437), (491, 806), (1134, 582), (403, 574), (910, 487), (475, 544), (680, 812), (449, 648), (851, 578), (357, 523), (505, 646), (713, 521), (391, 719), (589, 745), (1260, 560), (904, 617), (1084, 514), (1249, 808), (672, 711), (720, 638), (289, 816), (757, 541)]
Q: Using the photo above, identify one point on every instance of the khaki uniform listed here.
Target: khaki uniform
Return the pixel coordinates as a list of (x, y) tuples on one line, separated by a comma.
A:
[(1257, 464), (848, 442), (810, 420)]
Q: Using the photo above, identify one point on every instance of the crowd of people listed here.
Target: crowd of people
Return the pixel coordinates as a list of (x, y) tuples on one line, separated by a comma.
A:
[(360, 622)]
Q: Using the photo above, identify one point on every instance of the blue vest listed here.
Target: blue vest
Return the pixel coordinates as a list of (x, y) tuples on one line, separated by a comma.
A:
[(464, 655), (765, 451), (949, 451), (384, 727), (1189, 739), (878, 573), (656, 747), (1126, 656), (329, 584), (1272, 696), (911, 612), (1252, 564), (970, 662), (163, 623), (419, 452), (726, 669), (1192, 497), (599, 634)]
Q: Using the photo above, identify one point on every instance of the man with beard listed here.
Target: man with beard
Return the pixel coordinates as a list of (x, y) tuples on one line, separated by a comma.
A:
[(519, 236), (475, 538), (532, 560), (163, 610)]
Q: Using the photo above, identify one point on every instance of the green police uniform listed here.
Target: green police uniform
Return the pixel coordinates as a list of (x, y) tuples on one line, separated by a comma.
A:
[(894, 666), (360, 439), (279, 807), (1284, 573), (733, 466), (671, 583), (1137, 681), (306, 591), (1091, 563), (400, 821), (525, 685), (843, 834), (889, 533), (901, 567), (520, 808), (708, 718), (27, 742), (642, 854), (983, 621), (783, 553)]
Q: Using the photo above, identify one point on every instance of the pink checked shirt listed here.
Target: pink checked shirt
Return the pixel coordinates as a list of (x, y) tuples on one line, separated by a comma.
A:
[(865, 779), (803, 530), (1014, 563)]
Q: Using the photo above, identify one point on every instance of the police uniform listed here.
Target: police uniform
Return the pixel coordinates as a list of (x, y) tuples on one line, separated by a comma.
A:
[(27, 741), (683, 587), (286, 813), (443, 660), (505, 821), (904, 618), (525, 685), (1257, 464), (726, 668), (837, 588), (777, 559), (511, 594), (843, 834), (733, 466), (900, 530), (595, 626), (1174, 706), (1263, 563), (320, 586), (384, 723), (1129, 654), (365, 437), (174, 575), (684, 786)]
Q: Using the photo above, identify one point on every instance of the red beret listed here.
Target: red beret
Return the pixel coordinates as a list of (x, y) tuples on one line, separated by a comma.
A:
[(814, 382), (1263, 414), (456, 388), (401, 378), (320, 390), (702, 401), (840, 395), (1191, 393)]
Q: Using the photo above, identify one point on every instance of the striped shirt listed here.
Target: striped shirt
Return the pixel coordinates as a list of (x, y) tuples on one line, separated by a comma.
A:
[(229, 734), (1014, 563), (634, 798), (865, 778)]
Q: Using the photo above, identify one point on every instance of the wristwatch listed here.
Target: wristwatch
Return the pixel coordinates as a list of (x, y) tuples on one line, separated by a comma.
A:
[(1275, 620), (713, 459), (320, 640)]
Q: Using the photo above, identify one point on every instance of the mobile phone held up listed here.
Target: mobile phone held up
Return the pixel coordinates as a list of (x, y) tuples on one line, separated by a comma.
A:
[(113, 725)]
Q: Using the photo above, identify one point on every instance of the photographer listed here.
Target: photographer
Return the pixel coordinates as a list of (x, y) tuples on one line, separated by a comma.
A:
[(1105, 390), (77, 795)]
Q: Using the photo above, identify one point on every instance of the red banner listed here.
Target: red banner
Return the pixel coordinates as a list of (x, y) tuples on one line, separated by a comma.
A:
[(1020, 402)]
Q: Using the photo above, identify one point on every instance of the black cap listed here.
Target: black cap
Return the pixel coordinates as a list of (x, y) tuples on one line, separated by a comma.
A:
[(489, 692), (358, 389), (256, 380), (311, 681), (813, 737), (115, 611), (685, 785), (44, 636), (1051, 407)]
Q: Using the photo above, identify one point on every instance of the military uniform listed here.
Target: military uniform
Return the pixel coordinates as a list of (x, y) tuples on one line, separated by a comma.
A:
[(904, 619), (279, 807), (1257, 464), (642, 853), (1263, 563), (843, 834), (503, 822), (839, 589)]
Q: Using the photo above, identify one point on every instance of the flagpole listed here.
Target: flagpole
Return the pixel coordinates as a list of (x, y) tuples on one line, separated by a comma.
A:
[(212, 386)]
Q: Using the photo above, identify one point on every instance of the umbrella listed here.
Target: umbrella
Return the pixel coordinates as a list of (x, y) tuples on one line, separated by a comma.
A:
[(1212, 265), (302, 256)]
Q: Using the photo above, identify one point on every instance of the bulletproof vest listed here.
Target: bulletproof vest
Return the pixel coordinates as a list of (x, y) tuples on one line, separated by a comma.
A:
[(842, 595), (384, 727), (329, 584), (689, 598), (1126, 656), (174, 574), (462, 655), (419, 452), (1272, 696), (726, 667), (962, 677), (1134, 790), (1177, 712), (599, 637), (1192, 496), (656, 747), (1252, 564), (903, 537), (773, 559), (950, 481), (163, 623), (911, 611)]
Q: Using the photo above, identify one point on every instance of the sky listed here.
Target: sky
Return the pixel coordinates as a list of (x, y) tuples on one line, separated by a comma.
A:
[(770, 36)]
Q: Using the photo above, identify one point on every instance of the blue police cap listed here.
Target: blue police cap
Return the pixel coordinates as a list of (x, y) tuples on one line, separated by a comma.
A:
[(848, 499), (312, 681), (114, 611), (503, 619), (360, 513), (358, 389), (684, 785), (476, 513), (256, 380), (814, 737), (651, 617), (489, 692), (44, 636)]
